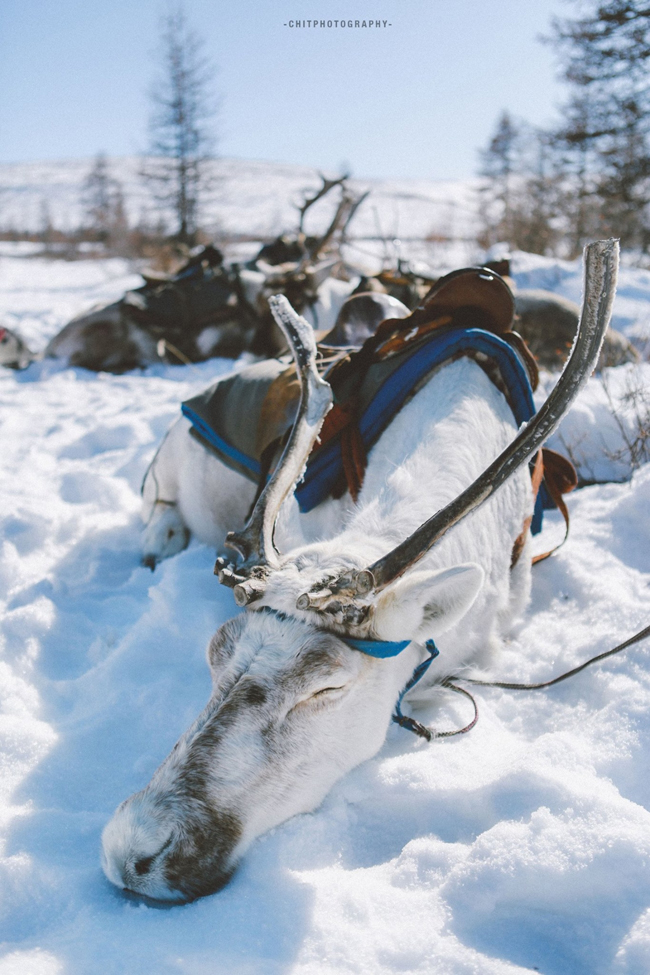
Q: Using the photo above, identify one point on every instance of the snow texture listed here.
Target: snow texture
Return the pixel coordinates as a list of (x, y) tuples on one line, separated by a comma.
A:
[(524, 846)]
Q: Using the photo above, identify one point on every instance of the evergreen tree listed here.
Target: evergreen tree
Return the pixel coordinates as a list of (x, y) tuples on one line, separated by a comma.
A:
[(578, 163), (181, 126), (518, 196), (103, 202), (605, 54)]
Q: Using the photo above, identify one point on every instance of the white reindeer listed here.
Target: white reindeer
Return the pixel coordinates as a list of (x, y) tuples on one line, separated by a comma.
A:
[(298, 697)]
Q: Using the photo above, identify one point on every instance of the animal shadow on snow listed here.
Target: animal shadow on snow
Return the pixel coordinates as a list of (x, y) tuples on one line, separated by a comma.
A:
[(97, 591)]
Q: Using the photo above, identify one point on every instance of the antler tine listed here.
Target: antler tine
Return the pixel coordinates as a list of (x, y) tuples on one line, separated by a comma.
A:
[(328, 184), (601, 266), (255, 541)]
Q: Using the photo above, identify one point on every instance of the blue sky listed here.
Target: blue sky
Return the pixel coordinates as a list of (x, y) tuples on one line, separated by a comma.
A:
[(412, 100)]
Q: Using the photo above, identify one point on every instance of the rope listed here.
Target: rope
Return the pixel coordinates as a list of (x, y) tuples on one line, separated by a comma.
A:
[(468, 727), (429, 733), (641, 635), (419, 729), (404, 721)]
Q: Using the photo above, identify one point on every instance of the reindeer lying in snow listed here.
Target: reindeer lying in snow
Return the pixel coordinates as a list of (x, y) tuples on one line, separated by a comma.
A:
[(214, 308), (305, 680), (207, 309)]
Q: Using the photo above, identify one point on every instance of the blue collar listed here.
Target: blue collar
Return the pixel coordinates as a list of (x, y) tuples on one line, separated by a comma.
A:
[(376, 648), (388, 648)]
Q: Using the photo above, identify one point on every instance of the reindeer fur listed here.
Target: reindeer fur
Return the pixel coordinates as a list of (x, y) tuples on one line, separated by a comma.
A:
[(293, 706)]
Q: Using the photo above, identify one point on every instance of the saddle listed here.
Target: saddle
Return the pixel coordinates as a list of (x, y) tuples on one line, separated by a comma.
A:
[(246, 418), (178, 307)]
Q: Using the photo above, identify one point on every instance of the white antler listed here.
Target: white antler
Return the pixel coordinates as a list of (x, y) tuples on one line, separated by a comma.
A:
[(255, 542)]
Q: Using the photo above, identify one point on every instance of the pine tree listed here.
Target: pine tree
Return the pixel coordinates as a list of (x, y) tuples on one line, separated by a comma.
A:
[(605, 56), (181, 144), (498, 164), (103, 202)]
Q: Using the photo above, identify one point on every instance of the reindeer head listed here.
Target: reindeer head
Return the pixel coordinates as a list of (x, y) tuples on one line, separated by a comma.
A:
[(302, 691)]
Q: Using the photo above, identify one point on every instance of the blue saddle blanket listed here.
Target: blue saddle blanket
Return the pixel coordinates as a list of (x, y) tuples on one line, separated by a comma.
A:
[(385, 393)]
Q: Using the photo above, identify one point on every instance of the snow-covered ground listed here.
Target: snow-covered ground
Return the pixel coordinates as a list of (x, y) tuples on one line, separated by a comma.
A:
[(631, 314), (524, 846), (260, 198)]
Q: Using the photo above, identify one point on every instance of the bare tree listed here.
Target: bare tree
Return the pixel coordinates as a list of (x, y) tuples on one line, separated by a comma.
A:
[(181, 126)]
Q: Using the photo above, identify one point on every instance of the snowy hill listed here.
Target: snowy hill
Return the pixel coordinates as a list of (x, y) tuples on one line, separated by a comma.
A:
[(256, 198), (522, 847)]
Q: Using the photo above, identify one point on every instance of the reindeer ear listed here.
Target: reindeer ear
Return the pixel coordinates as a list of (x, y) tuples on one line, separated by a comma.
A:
[(425, 604)]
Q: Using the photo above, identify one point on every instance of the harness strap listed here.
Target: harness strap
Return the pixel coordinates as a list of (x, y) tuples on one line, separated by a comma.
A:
[(386, 648), (354, 458), (322, 477), (560, 478), (537, 476), (419, 729), (401, 719), (518, 343), (378, 648), (391, 648)]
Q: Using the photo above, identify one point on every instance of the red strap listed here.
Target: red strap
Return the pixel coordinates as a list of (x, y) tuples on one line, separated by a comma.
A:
[(353, 455), (559, 476), (339, 417)]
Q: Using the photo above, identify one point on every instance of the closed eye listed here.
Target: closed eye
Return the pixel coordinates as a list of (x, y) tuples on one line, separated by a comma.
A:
[(327, 690), (322, 697)]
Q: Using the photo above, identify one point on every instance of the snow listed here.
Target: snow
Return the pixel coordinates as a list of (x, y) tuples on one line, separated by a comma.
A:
[(631, 314), (259, 199), (39, 296), (523, 846), (607, 433)]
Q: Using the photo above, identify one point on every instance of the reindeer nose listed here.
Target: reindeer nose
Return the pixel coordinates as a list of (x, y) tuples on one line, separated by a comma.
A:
[(143, 866), (149, 562)]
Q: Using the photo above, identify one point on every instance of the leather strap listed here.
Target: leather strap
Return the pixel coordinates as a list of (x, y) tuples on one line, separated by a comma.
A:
[(354, 458), (537, 476), (559, 477)]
